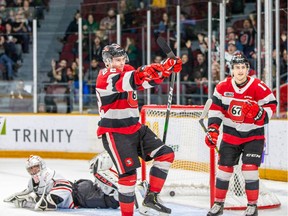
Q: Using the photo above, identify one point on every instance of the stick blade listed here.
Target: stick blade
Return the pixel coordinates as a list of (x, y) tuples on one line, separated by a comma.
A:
[(165, 47), (206, 108)]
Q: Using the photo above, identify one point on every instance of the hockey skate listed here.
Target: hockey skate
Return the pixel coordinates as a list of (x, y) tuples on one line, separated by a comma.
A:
[(251, 210), (217, 209), (152, 206)]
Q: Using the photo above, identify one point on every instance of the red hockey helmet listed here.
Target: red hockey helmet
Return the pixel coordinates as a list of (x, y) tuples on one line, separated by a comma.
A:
[(111, 51)]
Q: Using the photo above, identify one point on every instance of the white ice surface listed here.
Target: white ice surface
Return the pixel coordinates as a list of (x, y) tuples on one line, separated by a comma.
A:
[(14, 178)]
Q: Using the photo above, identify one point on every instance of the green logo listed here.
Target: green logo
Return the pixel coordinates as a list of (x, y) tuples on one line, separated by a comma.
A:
[(2, 126)]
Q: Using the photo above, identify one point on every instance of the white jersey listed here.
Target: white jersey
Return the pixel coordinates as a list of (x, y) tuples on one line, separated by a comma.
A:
[(53, 183)]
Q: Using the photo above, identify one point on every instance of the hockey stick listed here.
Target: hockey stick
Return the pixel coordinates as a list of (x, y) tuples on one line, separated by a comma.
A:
[(201, 120), (168, 51)]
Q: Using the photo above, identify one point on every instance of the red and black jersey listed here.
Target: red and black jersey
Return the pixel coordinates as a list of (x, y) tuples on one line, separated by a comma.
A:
[(227, 93), (117, 100)]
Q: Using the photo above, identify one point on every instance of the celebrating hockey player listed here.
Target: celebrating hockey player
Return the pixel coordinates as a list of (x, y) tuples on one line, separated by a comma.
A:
[(123, 136), (243, 105), (48, 190)]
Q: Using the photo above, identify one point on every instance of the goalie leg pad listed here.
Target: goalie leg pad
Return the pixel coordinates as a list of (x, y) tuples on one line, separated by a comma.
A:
[(107, 181)]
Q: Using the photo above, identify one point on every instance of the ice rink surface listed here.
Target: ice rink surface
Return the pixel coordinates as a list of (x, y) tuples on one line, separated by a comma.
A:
[(14, 178)]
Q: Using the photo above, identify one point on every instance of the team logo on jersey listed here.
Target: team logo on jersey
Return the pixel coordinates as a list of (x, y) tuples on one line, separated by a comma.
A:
[(129, 162), (229, 94), (2, 126), (132, 99)]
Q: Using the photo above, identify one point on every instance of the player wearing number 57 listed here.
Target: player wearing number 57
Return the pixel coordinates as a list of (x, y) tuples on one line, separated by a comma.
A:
[(243, 105)]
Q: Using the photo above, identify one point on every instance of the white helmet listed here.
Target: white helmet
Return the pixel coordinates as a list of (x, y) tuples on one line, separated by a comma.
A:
[(101, 162), (35, 165)]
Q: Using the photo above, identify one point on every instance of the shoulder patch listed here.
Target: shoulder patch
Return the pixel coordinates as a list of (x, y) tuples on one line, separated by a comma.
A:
[(112, 70), (229, 94)]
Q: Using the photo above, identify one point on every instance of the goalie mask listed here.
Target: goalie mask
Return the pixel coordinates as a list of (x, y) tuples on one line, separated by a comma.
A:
[(111, 51), (34, 166), (239, 58), (101, 162)]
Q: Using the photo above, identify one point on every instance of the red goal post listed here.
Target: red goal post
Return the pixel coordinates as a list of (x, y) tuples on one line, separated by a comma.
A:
[(194, 168)]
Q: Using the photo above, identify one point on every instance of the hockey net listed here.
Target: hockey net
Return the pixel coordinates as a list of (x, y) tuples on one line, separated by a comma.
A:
[(194, 167)]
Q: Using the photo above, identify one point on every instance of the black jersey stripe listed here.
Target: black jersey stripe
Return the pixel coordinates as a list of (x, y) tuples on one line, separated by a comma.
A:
[(232, 131), (106, 100), (214, 120), (118, 123)]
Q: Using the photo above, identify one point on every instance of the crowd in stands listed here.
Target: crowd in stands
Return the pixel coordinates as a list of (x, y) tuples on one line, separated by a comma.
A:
[(15, 32), (99, 29)]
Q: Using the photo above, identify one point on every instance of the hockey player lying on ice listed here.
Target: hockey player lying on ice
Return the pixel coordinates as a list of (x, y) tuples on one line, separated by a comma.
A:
[(61, 193)]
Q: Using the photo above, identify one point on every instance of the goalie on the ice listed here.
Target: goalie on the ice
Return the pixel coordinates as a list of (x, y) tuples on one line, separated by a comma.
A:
[(48, 190)]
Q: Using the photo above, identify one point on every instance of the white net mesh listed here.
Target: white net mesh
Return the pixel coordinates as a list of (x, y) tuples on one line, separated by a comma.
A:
[(189, 174)]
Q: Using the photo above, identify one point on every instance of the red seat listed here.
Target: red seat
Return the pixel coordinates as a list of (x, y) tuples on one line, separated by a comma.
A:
[(72, 38), (68, 56), (68, 47)]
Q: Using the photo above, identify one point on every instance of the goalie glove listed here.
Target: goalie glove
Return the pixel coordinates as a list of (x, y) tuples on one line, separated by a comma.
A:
[(212, 136), (20, 199), (251, 109)]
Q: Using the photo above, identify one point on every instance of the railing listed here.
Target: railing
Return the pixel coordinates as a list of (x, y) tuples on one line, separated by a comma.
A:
[(64, 98)]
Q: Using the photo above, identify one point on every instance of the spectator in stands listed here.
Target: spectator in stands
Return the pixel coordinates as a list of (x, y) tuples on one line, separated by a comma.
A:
[(49, 99), (229, 30), (203, 44), (14, 46), (90, 25), (132, 51), (91, 75), (164, 25), (195, 90), (75, 69), (28, 13), (108, 23), (72, 27), (201, 66), (21, 30), (58, 75), (232, 36), (157, 59), (6, 62), (20, 99), (4, 14), (215, 72), (70, 75), (247, 38), (96, 49), (231, 50), (187, 66)]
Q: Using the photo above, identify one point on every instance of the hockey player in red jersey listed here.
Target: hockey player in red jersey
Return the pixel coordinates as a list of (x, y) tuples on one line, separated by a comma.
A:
[(243, 105), (124, 138)]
